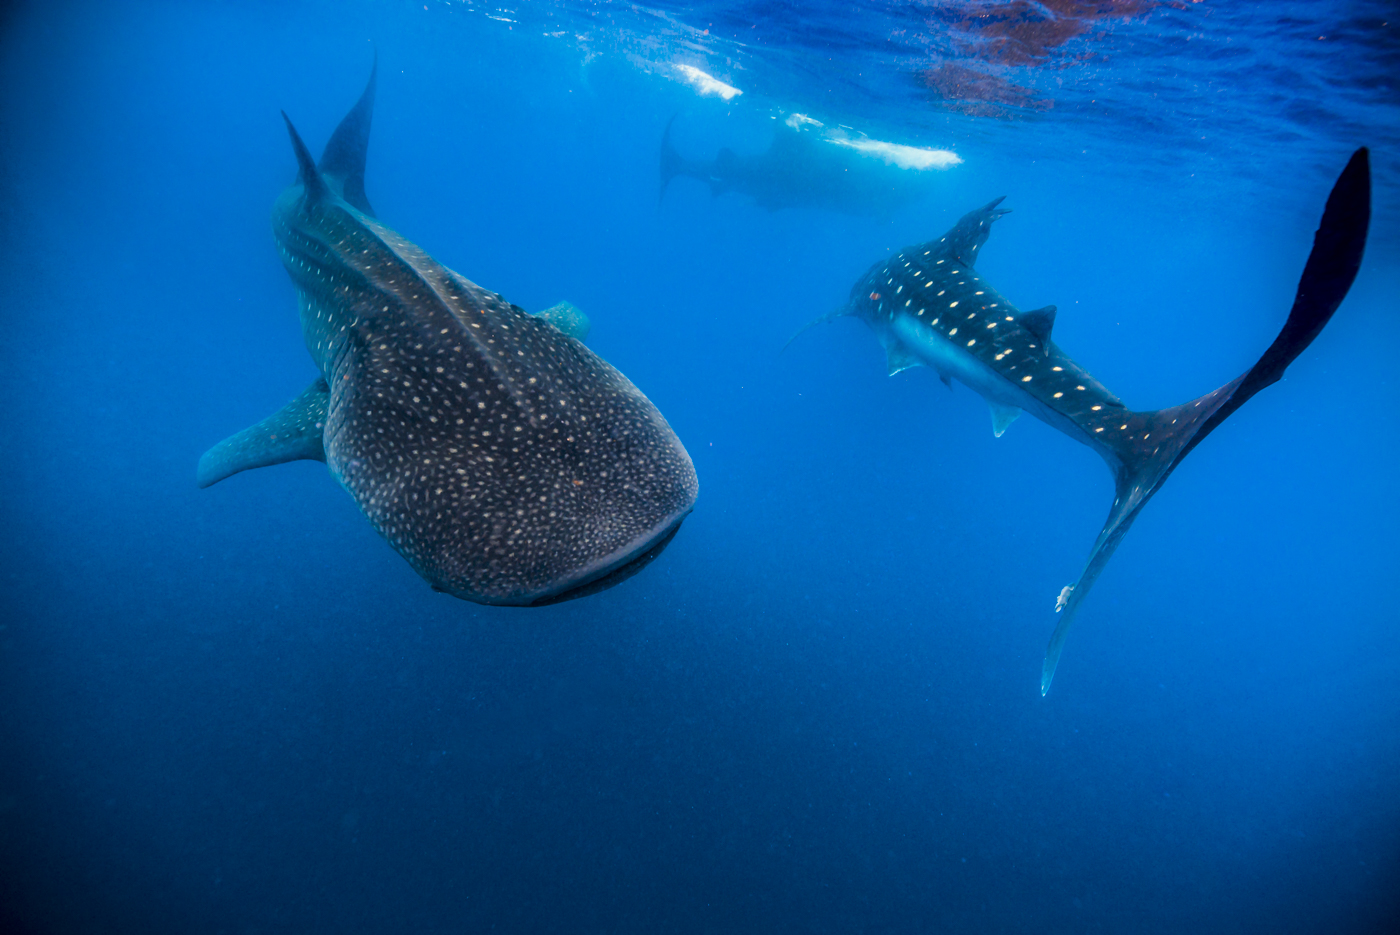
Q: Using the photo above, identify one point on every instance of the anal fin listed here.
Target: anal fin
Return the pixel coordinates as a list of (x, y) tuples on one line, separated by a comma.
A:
[(292, 433)]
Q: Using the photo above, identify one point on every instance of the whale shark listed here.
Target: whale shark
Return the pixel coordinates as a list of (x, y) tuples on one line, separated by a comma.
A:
[(503, 459), (807, 168), (928, 307)]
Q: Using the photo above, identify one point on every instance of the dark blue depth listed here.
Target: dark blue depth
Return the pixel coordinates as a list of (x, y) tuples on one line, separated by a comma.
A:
[(238, 710)]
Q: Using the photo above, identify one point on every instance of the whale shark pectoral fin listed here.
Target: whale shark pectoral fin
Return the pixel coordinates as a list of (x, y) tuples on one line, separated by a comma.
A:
[(1040, 322), (898, 357), (343, 159), (819, 320), (1002, 417), (292, 433), (568, 318)]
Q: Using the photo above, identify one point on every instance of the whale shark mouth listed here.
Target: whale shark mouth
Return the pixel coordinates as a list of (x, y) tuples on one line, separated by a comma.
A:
[(633, 561)]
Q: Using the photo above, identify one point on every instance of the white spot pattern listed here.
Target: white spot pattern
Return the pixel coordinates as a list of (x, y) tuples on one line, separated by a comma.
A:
[(502, 459)]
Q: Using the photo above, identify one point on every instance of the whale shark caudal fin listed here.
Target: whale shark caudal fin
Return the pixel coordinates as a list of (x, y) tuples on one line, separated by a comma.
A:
[(292, 433), (343, 160), (1151, 444)]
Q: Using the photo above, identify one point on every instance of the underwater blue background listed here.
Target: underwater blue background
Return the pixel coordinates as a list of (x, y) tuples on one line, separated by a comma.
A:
[(237, 710)]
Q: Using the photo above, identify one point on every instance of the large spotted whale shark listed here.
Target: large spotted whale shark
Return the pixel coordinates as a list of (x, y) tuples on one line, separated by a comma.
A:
[(928, 307), (507, 462)]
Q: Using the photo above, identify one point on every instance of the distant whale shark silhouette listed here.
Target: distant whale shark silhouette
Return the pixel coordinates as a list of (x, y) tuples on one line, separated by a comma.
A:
[(502, 458), (806, 169), (929, 308)]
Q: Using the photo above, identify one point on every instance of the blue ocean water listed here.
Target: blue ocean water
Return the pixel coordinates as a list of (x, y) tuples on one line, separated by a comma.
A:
[(237, 710)]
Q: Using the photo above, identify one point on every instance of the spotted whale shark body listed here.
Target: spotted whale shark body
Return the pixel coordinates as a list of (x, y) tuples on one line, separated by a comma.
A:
[(502, 458), (928, 307)]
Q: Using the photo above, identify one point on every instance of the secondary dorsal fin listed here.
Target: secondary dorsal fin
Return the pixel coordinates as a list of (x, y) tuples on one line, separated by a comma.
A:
[(307, 175), (1040, 322), (343, 161)]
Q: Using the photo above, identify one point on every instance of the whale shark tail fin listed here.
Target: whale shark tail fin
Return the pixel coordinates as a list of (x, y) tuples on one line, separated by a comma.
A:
[(1145, 447), (672, 163), (343, 160)]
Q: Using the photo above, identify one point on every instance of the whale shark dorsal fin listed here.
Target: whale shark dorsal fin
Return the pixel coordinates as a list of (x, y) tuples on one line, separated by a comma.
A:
[(1040, 322), (343, 160), (898, 357), (1002, 416), (307, 175), (293, 433)]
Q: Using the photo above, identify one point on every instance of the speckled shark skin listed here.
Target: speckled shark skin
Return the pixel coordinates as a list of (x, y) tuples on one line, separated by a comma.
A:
[(502, 458), (928, 307)]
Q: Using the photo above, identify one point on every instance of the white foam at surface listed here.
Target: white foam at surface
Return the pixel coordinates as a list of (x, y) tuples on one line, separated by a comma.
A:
[(707, 85), (906, 157)]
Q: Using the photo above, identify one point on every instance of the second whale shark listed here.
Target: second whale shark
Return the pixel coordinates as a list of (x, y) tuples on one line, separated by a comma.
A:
[(808, 167), (928, 307), (507, 462)]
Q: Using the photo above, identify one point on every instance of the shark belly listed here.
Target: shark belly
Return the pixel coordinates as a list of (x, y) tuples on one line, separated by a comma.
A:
[(952, 361)]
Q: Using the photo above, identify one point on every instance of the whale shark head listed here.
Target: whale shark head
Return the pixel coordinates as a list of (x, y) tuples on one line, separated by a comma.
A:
[(501, 457)]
